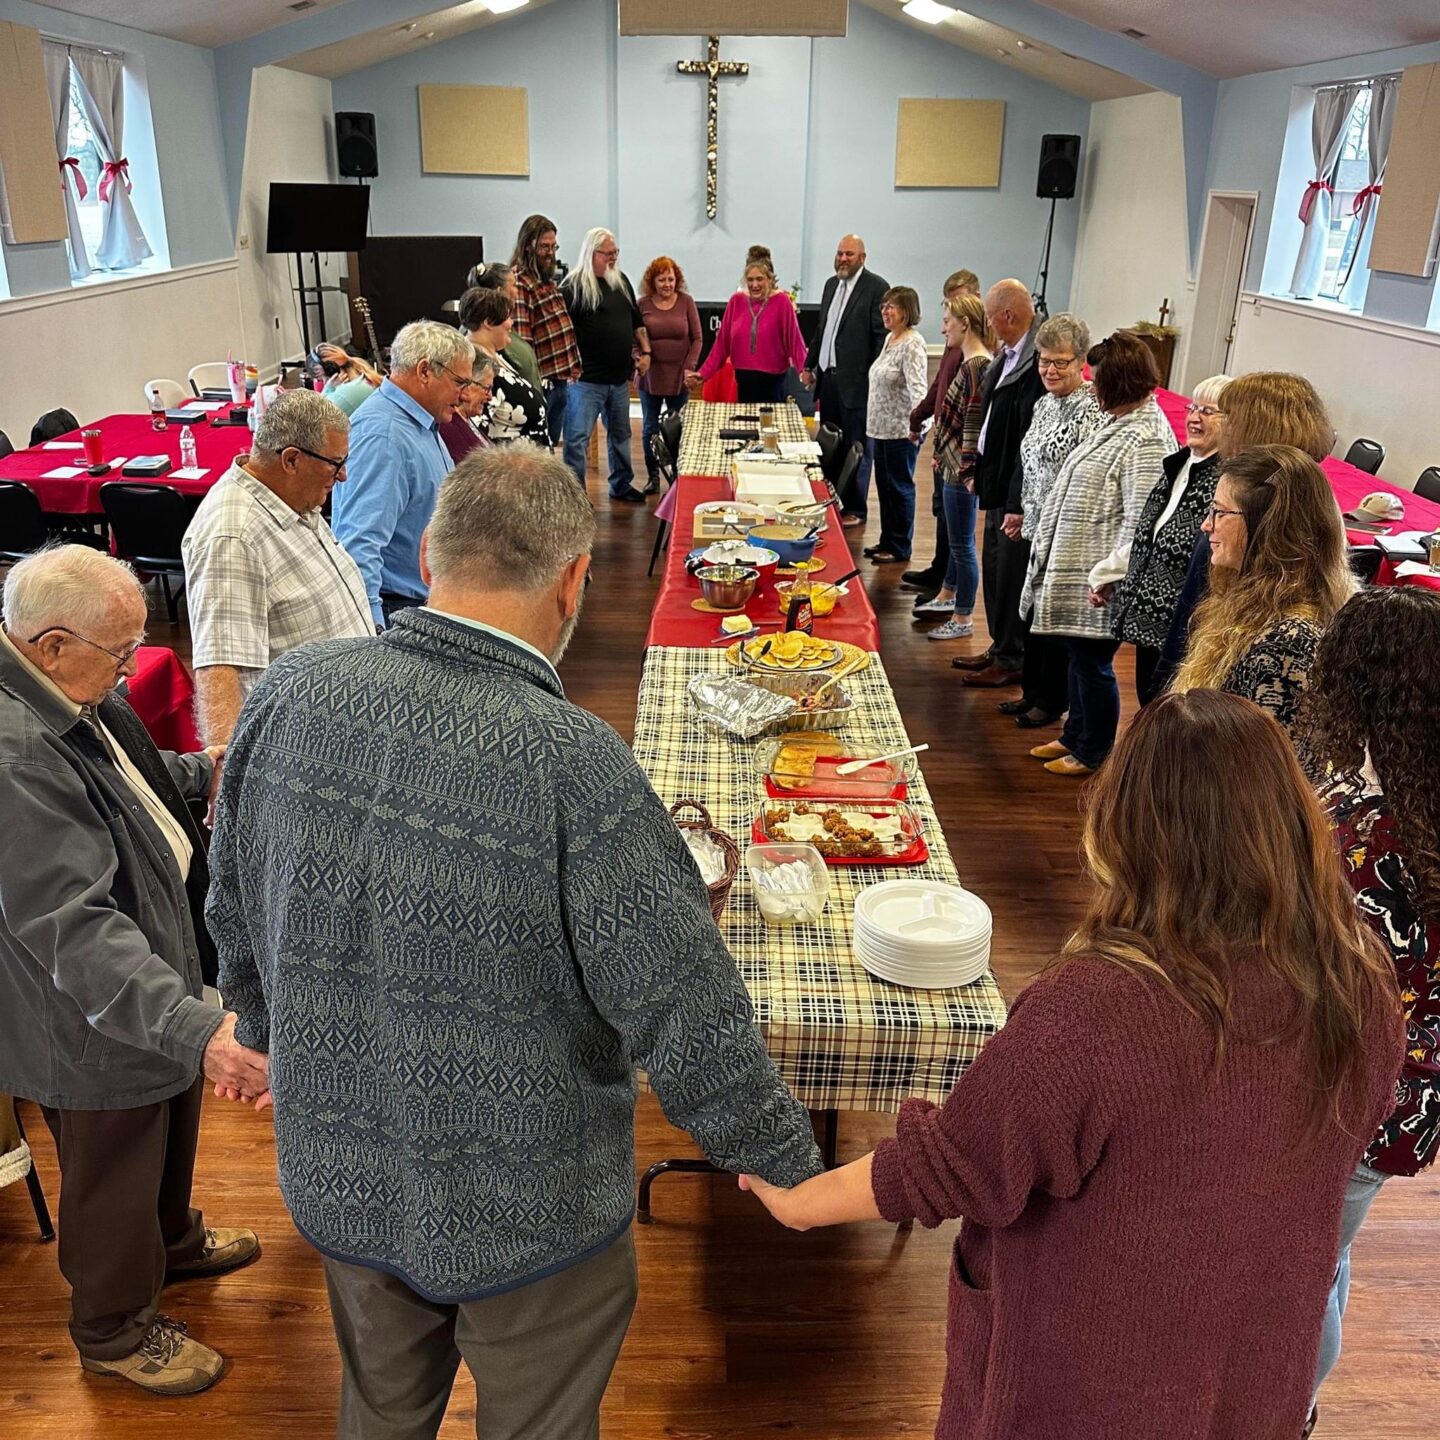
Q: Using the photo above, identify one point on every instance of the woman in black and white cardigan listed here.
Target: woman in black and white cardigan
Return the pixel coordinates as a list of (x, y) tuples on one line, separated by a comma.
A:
[(1082, 544)]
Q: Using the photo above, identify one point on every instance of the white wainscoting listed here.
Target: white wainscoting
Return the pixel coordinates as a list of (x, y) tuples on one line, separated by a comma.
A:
[(1377, 379), (91, 349)]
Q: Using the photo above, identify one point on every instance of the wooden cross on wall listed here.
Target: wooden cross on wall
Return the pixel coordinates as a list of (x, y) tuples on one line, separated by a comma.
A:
[(712, 69)]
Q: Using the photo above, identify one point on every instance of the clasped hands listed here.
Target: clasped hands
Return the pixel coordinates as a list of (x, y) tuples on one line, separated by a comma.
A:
[(239, 1072)]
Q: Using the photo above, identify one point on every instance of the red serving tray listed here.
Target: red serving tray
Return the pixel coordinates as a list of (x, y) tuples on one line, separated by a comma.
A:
[(832, 787), (917, 854)]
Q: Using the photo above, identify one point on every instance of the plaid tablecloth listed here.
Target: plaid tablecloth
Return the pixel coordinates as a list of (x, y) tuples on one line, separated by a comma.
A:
[(842, 1039), (703, 452)]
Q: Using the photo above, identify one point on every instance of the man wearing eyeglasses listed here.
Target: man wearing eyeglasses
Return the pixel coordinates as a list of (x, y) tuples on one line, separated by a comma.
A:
[(103, 958), (263, 571), (397, 461)]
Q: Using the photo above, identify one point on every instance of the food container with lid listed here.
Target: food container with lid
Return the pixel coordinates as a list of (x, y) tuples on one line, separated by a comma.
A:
[(790, 882)]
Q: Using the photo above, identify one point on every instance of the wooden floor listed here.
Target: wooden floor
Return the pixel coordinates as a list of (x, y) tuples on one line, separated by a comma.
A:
[(742, 1329)]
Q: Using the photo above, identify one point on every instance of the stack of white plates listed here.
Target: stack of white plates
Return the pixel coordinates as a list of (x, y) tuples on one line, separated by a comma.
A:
[(922, 933)]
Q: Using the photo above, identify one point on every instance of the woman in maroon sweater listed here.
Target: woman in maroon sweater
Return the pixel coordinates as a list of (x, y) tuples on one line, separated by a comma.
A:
[(1150, 1158), (673, 324), (1369, 716)]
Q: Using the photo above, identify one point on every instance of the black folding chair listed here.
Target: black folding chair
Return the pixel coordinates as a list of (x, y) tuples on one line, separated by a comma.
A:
[(22, 523), (670, 428), (1427, 487), (1366, 455), (52, 425), (832, 451), (148, 523), (6, 448), (665, 459), (32, 1182), (849, 470)]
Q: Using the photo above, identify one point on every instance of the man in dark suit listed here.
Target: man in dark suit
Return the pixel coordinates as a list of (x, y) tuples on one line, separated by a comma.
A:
[(1010, 389), (837, 367)]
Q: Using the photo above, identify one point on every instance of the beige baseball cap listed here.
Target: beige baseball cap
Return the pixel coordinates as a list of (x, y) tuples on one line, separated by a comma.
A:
[(1379, 507)]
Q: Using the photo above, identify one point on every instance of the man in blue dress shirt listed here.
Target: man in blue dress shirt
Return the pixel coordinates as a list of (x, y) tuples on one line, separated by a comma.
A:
[(397, 461)]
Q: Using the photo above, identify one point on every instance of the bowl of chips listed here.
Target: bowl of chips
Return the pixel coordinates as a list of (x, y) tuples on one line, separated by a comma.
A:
[(785, 663)]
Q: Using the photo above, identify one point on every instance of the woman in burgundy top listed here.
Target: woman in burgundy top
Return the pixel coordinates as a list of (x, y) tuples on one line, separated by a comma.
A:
[(1369, 715), (1151, 1157), (759, 335), (673, 324)]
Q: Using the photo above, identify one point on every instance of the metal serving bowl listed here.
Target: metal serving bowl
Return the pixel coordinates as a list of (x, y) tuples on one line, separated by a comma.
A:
[(727, 587)]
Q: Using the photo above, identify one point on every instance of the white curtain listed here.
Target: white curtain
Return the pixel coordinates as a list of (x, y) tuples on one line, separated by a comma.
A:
[(72, 182), (1379, 128), (1327, 131), (102, 93)]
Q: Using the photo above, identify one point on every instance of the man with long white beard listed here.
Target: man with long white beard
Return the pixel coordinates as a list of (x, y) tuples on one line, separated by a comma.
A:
[(610, 331), (451, 909)]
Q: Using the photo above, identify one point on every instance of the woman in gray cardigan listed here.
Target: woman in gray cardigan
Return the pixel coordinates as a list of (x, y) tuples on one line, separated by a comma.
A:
[(1082, 546)]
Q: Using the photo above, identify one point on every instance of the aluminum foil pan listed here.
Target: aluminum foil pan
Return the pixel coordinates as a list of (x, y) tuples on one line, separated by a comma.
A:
[(725, 702)]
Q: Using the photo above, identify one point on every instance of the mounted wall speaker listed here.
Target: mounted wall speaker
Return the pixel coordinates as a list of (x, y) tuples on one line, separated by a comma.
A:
[(1059, 167), (355, 144)]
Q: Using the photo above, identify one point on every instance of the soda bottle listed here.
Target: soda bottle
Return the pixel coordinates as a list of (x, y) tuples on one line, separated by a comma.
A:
[(157, 411)]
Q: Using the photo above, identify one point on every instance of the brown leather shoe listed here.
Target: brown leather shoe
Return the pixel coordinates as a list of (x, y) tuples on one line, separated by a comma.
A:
[(224, 1250), (992, 678), (851, 522), (167, 1362), (972, 662)]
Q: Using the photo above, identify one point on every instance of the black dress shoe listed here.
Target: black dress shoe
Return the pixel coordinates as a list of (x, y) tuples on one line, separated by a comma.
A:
[(1034, 719), (1013, 707), (921, 579), (632, 496), (652, 485), (870, 550)]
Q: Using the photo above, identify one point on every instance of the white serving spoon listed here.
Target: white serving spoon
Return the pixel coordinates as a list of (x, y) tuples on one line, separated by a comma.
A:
[(851, 766)]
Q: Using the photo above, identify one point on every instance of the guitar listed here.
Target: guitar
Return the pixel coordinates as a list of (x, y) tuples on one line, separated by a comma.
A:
[(376, 357)]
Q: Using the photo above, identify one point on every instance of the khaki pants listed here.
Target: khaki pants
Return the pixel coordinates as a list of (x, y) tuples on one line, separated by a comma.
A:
[(125, 1214), (541, 1355)]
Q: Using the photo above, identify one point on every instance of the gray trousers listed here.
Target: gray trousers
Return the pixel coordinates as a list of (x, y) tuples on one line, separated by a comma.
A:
[(541, 1355)]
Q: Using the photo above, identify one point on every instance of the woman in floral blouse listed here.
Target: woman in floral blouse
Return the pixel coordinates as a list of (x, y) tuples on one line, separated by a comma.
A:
[(897, 386), (1278, 575), (516, 409), (1370, 716)]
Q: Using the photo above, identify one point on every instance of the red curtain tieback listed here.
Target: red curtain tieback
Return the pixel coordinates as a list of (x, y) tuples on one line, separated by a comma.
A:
[(1363, 198), (114, 168), (1307, 200), (71, 163)]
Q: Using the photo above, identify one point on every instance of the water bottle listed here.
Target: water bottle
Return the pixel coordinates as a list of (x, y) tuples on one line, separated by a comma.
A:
[(188, 457), (157, 411)]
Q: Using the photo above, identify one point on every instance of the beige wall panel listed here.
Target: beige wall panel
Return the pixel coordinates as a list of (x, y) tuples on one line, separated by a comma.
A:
[(1406, 223), (32, 191), (474, 130), (948, 144), (733, 17)]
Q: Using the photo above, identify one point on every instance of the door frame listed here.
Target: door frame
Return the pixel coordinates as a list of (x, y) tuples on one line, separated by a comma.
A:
[(1253, 196)]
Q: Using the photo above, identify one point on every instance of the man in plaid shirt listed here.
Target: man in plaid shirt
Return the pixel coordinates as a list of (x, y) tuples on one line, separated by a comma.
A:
[(541, 317)]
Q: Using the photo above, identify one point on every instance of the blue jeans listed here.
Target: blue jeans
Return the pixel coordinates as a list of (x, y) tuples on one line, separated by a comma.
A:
[(1360, 1193), (651, 407), (895, 485), (1094, 716), (584, 402), (555, 408), (962, 574)]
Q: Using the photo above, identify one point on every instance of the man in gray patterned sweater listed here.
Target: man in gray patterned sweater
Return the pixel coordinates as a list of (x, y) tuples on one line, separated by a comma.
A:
[(452, 909)]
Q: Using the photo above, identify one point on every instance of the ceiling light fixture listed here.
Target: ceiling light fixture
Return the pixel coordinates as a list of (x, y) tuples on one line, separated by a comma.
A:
[(501, 7), (1004, 53), (405, 29), (931, 12)]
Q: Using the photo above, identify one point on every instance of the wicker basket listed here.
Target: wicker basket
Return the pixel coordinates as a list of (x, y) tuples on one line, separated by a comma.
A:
[(720, 890)]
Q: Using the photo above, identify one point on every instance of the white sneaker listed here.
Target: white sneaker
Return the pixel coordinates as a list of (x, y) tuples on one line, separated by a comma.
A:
[(953, 630), (934, 607)]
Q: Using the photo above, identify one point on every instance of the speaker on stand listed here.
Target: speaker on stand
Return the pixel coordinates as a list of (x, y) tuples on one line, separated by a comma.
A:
[(355, 149), (1055, 180)]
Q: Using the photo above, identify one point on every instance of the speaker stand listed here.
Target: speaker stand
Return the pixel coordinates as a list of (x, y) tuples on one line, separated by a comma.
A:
[(1041, 308)]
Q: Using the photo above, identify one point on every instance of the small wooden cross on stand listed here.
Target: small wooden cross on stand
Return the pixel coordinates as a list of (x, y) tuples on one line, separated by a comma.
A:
[(1165, 311), (712, 68)]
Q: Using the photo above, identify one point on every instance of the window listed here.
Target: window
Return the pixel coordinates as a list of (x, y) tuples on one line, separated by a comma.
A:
[(82, 147), (1352, 175)]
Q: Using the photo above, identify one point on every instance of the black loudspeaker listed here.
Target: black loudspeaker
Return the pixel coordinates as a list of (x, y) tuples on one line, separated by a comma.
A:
[(1059, 166), (355, 144)]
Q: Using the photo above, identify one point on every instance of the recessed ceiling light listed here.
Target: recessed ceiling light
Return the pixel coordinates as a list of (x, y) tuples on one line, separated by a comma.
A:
[(501, 7), (1135, 34), (1023, 45), (404, 29), (999, 51), (428, 35), (929, 11)]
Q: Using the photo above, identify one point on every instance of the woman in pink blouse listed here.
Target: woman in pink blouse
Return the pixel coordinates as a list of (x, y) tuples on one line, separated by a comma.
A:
[(759, 335)]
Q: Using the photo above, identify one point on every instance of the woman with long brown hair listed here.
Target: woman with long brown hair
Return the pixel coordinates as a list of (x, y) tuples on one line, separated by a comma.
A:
[(1370, 715), (1265, 407), (1278, 574), (1151, 1157)]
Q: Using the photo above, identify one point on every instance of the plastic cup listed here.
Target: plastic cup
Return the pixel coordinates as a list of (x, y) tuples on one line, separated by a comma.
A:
[(94, 446)]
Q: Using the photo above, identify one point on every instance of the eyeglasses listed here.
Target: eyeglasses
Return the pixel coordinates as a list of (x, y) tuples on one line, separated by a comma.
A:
[(1215, 512), (608, 254), (121, 658), (336, 466), (1204, 411), (463, 382), (1043, 364)]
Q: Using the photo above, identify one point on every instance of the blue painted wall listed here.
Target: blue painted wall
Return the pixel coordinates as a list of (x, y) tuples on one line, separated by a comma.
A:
[(807, 151), (188, 145)]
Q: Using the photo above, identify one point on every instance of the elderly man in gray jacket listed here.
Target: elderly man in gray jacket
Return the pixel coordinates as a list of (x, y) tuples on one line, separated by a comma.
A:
[(103, 958)]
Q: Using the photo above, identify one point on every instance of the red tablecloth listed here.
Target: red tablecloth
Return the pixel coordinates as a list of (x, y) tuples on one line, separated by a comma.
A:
[(675, 622), (1349, 484), (162, 694), (127, 436)]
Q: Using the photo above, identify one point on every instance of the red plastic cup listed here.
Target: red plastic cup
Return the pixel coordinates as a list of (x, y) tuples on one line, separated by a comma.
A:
[(94, 447)]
